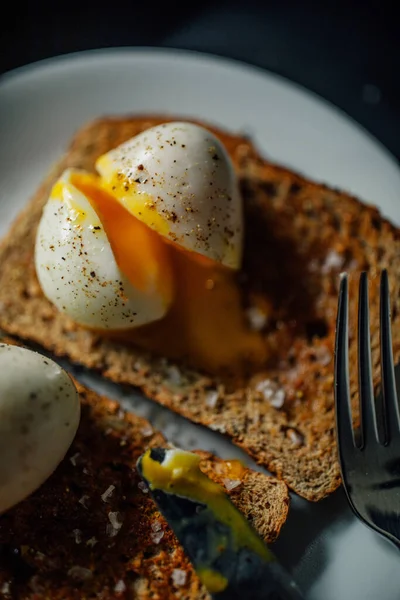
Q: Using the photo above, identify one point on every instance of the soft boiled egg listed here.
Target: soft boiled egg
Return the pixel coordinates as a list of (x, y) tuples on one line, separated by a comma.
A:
[(97, 283), (148, 250), (39, 416), (178, 179)]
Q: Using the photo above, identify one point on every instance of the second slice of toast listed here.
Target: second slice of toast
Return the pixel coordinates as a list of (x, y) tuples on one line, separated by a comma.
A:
[(92, 531)]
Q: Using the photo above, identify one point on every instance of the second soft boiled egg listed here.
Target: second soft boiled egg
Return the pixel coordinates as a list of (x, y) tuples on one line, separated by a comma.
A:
[(178, 179), (97, 285), (39, 416)]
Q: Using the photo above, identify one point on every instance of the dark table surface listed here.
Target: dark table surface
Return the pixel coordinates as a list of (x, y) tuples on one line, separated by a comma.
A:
[(346, 51)]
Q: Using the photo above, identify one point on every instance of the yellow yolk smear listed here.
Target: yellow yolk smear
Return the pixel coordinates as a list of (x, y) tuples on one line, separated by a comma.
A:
[(205, 325), (180, 474)]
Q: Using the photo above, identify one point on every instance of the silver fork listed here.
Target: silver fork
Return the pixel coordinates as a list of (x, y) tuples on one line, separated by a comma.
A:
[(371, 468)]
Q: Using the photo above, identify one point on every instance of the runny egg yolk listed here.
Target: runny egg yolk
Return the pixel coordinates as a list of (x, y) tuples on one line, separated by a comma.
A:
[(138, 251), (205, 325)]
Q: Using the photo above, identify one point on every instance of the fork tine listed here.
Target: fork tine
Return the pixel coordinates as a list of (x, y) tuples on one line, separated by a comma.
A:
[(387, 369), (342, 387), (369, 429)]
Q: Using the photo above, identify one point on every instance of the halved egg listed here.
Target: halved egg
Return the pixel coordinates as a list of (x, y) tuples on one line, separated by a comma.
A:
[(178, 179), (149, 250), (103, 270)]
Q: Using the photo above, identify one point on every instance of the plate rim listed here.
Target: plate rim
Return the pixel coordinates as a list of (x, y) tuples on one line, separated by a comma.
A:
[(240, 66), (11, 76)]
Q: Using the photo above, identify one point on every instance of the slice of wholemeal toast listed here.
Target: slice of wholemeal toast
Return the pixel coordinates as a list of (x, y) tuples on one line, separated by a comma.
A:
[(299, 236), (92, 531)]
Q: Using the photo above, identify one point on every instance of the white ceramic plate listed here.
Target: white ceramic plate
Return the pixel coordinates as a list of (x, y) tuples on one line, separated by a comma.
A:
[(331, 555)]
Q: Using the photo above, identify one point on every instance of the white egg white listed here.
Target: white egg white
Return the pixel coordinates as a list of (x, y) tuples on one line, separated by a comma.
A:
[(39, 416), (178, 179), (77, 269)]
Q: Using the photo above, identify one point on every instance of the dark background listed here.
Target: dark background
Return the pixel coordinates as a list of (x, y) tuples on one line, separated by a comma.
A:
[(347, 52)]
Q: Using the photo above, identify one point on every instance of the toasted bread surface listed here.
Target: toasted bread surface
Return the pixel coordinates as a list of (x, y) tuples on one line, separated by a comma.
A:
[(299, 237), (92, 531)]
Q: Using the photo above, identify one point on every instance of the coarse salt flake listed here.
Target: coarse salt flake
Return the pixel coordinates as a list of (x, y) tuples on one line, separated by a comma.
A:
[(74, 458), (231, 484), (178, 577), (120, 586), (211, 398), (147, 431), (157, 536), (156, 526), (323, 355), (114, 525), (78, 536), (108, 493), (295, 437), (256, 317), (174, 375), (6, 588), (218, 427), (83, 500), (332, 261), (91, 542), (271, 392), (143, 487)]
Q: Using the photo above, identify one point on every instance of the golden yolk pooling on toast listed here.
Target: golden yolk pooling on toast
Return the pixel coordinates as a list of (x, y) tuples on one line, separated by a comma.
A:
[(205, 324)]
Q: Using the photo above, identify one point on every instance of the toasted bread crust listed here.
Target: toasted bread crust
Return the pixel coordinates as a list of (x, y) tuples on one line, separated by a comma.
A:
[(299, 236), (78, 538)]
